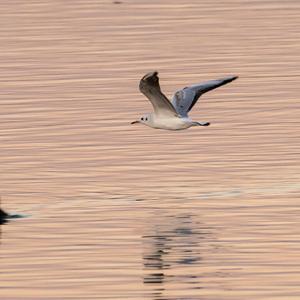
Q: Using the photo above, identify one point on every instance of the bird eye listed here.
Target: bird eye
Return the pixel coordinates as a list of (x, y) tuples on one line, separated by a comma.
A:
[(142, 119), (146, 119)]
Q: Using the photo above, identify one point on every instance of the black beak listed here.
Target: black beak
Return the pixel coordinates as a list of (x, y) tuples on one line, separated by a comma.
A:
[(134, 122)]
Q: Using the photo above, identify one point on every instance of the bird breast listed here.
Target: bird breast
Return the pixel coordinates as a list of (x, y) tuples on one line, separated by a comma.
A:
[(175, 123)]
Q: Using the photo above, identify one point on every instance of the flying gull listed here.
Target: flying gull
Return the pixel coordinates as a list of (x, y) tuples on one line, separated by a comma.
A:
[(174, 115)]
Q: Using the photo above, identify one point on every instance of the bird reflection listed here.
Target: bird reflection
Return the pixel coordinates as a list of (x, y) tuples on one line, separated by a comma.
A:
[(155, 260), (173, 244)]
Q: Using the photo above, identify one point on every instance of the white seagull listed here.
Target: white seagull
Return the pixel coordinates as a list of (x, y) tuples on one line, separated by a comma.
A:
[(174, 116)]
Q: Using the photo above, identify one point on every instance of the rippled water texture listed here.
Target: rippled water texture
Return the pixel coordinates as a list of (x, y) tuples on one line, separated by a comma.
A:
[(117, 211)]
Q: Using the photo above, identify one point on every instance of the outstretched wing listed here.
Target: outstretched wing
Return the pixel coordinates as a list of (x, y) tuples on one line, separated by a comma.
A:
[(184, 100), (149, 86)]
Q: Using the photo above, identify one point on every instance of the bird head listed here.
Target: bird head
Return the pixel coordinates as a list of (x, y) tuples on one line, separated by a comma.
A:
[(145, 119)]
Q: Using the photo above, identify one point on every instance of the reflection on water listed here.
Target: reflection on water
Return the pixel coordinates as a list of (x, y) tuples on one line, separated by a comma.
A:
[(174, 242)]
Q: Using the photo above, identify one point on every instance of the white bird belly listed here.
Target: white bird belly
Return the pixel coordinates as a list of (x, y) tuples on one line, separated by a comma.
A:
[(172, 123)]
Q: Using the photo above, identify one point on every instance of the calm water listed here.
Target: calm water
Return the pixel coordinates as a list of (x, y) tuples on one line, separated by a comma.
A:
[(127, 212)]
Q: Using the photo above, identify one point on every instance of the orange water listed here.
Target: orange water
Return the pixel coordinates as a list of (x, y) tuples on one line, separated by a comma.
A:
[(117, 211)]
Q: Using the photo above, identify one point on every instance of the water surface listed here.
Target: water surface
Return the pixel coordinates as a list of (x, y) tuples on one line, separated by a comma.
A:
[(127, 212)]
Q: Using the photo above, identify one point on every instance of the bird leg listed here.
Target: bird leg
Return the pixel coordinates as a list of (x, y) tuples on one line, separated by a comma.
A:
[(201, 123)]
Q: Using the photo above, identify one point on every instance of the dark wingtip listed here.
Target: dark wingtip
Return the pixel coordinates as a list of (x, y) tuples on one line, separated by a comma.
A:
[(150, 75), (229, 79), (154, 73), (234, 77)]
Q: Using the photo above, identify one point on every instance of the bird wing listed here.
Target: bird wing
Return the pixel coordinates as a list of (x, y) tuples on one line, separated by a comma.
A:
[(149, 86), (184, 100)]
